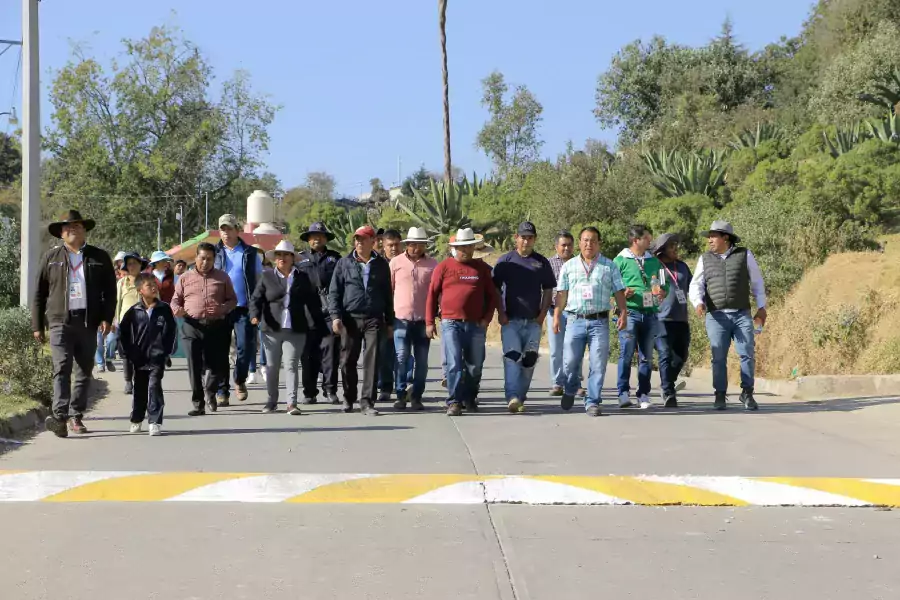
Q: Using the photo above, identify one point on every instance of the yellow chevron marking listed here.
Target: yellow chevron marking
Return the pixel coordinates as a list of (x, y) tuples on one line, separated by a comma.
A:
[(381, 489), (144, 487), (875, 493), (650, 493)]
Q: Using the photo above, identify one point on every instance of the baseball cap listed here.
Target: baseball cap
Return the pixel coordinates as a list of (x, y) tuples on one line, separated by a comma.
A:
[(365, 231), (229, 220), (527, 228)]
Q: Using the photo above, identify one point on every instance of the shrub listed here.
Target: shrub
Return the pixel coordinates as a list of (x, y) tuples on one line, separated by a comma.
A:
[(25, 365), (685, 215), (9, 262)]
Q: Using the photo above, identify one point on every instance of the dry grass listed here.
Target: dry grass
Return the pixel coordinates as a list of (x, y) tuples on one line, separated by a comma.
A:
[(840, 319)]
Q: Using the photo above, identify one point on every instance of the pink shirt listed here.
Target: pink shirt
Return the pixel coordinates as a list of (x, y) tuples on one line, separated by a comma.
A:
[(410, 281)]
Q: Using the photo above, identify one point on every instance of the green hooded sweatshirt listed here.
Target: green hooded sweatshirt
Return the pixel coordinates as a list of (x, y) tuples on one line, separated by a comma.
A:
[(631, 277)]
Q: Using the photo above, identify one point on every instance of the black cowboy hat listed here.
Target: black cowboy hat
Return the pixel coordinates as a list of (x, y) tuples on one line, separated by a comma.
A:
[(73, 216), (317, 227), (144, 262)]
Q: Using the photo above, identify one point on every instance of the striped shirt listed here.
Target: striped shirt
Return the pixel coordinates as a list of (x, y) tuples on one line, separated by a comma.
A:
[(556, 263), (589, 286), (209, 296)]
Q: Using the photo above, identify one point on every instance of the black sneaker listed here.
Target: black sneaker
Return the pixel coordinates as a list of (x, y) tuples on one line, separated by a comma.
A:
[(197, 412), (416, 404), (671, 401), (748, 401), (212, 405), (57, 426), (567, 402), (471, 406), (721, 402), (400, 405), (309, 401), (347, 406), (110, 366)]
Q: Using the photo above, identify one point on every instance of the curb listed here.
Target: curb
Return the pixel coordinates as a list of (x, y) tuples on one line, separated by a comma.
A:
[(817, 387), (12, 427), (325, 488)]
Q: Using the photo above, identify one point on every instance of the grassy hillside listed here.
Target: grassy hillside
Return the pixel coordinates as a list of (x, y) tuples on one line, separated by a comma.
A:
[(840, 319)]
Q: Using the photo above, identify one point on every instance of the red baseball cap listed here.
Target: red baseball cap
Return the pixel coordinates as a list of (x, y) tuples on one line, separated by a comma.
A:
[(365, 231)]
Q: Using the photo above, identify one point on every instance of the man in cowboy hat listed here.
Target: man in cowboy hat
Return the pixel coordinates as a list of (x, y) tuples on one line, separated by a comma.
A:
[(726, 277), (410, 280), (361, 304), (525, 282), (323, 346), (75, 295), (463, 288), (243, 265)]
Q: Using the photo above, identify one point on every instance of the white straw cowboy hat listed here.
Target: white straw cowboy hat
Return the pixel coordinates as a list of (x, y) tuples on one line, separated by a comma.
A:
[(465, 237), (416, 234), (283, 246)]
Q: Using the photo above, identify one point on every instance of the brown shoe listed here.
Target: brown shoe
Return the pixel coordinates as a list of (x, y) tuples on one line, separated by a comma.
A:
[(241, 391), (76, 426), (556, 390), (454, 410)]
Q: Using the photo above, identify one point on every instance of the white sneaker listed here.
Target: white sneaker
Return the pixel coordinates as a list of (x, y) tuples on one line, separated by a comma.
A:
[(135, 428), (645, 402), (625, 400), (251, 378), (265, 374), (155, 429), (680, 385)]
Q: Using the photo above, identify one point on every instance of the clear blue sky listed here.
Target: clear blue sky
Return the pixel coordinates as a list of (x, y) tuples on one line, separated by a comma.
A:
[(360, 81)]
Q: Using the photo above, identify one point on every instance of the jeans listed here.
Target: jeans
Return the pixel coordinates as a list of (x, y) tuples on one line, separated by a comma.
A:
[(387, 361), (673, 344), (722, 327), (464, 349), (557, 346), (356, 331), (412, 353), (594, 335), (262, 354), (289, 345), (640, 333), (71, 344), (148, 395), (106, 350), (245, 335), (521, 340)]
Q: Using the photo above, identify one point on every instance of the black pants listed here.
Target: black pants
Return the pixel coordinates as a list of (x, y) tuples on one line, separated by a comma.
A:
[(673, 345), (387, 360), (357, 329), (322, 354), (206, 348), (148, 395), (72, 344)]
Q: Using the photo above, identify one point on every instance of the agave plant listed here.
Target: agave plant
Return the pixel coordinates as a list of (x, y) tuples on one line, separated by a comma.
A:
[(752, 138), (886, 129), (886, 95), (343, 229), (441, 211), (676, 173), (844, 139)]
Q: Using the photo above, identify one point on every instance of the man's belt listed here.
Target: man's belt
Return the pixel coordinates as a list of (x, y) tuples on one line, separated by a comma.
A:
[(204, 322), (590, 316)]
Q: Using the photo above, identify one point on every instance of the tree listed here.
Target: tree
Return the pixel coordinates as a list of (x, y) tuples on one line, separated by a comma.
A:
[(510, 137), (420, 180), (442, 23), (10, 160), (321, 185), (143, 139)]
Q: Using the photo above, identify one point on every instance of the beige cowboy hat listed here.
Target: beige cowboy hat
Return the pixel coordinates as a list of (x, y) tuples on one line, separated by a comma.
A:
[(283, 246), (482, 249)]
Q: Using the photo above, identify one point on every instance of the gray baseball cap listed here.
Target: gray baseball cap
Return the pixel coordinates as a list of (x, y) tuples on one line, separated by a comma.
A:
[(723, 227)]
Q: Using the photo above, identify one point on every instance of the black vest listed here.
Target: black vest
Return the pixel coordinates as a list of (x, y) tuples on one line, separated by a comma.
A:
[(727, 281)]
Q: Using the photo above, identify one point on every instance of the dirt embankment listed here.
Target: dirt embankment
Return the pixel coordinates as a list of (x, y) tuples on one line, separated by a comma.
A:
[(841, 319)]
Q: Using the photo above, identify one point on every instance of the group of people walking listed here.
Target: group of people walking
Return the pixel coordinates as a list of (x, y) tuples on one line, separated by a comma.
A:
[(317, 313)]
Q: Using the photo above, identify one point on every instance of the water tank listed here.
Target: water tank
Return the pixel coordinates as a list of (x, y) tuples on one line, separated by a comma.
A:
[(260, 208)]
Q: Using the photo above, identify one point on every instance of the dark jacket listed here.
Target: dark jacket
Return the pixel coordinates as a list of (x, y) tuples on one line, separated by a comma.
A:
[(267, 303), (147, 339), (319, 267), (50, 305), (671, 309), (250, 260), (349, 296)]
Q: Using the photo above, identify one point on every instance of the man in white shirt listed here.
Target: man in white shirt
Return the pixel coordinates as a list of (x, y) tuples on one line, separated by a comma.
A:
[(725, 278)]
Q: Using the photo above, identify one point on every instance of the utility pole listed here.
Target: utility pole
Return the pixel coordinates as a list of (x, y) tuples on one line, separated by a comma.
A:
[(31, 151), (207, 211), (159, 233), (181, 222)]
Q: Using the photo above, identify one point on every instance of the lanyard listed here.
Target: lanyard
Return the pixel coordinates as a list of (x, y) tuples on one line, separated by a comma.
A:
[(586, 270), (671, 274), (640, 264), (73, 267)]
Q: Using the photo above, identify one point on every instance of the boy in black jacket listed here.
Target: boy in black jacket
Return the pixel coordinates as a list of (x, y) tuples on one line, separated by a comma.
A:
[(147, 338)]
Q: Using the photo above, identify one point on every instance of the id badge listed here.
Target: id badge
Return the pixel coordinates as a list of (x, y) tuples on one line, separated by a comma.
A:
[(648, 300), (587, 292), (680, 297), (75, 291)]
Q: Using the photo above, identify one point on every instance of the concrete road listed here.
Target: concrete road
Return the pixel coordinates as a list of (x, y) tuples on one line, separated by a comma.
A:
[(108, 550)]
